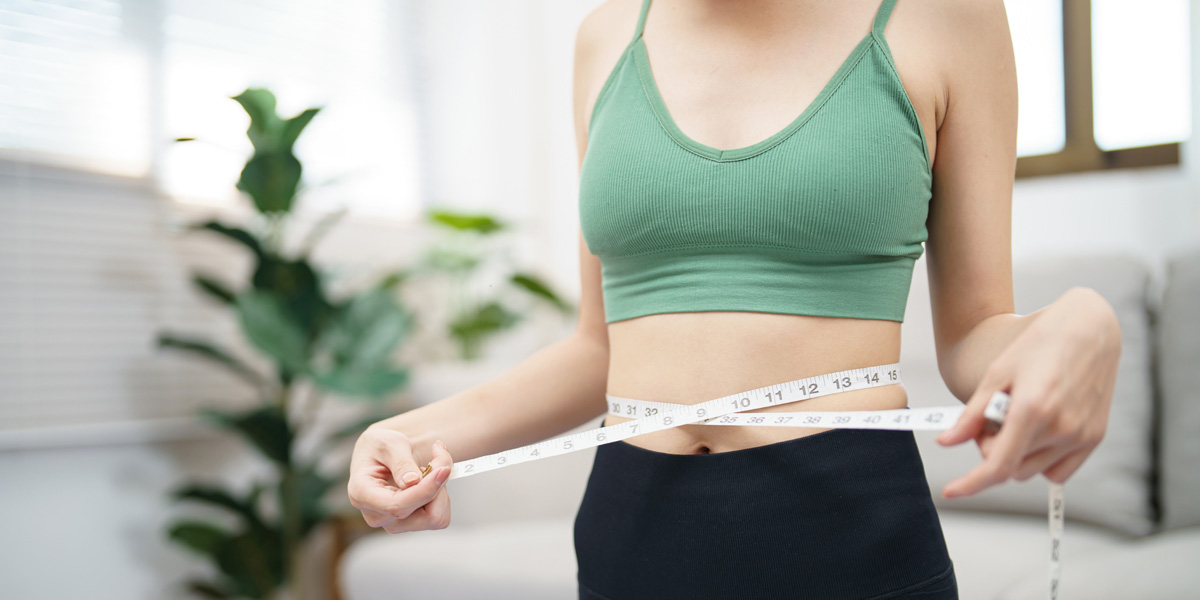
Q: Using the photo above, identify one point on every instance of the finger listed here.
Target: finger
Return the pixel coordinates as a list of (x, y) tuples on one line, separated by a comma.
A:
[(434, 515), (1039, 461), (375, 518), (368, 492), (972, 421), (1064, 468), (1010, 446), (399, 459), (419, 494)]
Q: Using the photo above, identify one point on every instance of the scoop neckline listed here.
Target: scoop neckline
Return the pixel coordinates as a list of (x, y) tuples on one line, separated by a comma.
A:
[(663, 114)]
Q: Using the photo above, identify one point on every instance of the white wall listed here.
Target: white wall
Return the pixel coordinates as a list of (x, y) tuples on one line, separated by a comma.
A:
[(82, 516)]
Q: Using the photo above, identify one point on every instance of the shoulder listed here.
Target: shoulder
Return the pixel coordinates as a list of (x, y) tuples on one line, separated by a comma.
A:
[(611, 21), (949, 46), (970, 37), (601, 36)]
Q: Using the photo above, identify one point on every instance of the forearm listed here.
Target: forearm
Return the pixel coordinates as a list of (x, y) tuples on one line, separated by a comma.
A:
[(964, 365), (554, 390)]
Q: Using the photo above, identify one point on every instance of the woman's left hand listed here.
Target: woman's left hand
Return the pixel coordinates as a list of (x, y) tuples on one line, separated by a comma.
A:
[(1059, 371)]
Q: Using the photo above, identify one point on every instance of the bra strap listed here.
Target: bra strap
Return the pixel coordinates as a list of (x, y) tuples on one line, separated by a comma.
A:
[(881, 16), (641, 24)]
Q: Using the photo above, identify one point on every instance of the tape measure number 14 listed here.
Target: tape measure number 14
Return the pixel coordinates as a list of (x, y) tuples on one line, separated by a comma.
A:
[(647, 417)]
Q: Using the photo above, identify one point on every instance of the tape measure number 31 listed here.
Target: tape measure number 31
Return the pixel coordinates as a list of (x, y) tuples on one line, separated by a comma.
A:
[(647, 417)]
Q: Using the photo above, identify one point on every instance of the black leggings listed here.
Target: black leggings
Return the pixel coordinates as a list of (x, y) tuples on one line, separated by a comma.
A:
[(844, 514)]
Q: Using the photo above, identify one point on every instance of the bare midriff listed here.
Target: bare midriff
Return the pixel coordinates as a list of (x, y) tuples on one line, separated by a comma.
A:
[(689, 358)]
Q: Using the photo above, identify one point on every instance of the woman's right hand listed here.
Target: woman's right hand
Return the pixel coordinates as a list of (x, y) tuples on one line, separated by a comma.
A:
[(386, 483)]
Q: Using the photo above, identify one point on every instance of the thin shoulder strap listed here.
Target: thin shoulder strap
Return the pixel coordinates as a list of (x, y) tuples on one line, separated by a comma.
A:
[(641, 24), (881, 16)]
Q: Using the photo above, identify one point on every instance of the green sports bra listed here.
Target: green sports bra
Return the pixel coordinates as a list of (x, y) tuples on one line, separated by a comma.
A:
[(826, 217)]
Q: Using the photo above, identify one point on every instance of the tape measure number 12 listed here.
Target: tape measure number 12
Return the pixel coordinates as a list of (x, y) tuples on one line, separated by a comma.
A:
[(647, 417)]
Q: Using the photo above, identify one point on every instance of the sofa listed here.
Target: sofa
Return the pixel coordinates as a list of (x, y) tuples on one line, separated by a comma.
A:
[(1132, 510)]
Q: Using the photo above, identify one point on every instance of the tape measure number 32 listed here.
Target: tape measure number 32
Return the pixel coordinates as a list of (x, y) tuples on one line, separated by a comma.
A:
[(647, 417)]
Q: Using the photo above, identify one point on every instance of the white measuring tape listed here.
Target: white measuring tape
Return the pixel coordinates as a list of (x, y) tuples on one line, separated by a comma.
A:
[(648, 417)]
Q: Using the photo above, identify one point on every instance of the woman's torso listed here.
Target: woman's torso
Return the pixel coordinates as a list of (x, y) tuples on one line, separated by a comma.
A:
[(733, 74)]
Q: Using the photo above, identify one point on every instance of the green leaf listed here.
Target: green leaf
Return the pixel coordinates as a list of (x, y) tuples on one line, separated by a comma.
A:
[(213, 288), (480, 223), (450, 260), (293, 127), (372, 383), (266, 427), (470, 329), (234, 233), (245, 508), (206, 589), (296, 284), (253, 561), (269, 326), (366, 330), (265, 124), (202, 538), (209, 351), (312, 488), (537, 287), (396, 278), (271, 179)]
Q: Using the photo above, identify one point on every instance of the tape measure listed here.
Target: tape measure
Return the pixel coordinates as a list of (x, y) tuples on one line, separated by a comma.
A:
[(648, 417)]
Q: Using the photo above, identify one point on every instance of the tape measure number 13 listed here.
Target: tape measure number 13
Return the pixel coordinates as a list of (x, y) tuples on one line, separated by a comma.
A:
[(647, 417)]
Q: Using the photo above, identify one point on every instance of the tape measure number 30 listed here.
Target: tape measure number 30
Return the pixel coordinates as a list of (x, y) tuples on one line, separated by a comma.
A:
[(647, 417)]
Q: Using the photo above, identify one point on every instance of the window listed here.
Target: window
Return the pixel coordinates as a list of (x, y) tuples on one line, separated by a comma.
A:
[(104, 85), (1103, 83)]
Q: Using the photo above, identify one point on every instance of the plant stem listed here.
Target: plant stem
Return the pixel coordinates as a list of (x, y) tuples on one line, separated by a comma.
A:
[(289, 511)]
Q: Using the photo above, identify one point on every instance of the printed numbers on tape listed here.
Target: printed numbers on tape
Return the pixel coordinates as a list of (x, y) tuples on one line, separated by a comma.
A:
[(647, 417)]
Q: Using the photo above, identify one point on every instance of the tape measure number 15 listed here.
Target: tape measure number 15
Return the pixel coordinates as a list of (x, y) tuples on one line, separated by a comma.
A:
[(647, 417)]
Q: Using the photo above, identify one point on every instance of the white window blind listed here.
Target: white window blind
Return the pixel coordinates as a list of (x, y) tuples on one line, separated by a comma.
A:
[(92, 192), (73, 87)]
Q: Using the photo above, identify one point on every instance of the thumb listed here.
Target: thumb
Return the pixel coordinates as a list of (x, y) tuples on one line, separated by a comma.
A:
[(972, 421), (404, 468)]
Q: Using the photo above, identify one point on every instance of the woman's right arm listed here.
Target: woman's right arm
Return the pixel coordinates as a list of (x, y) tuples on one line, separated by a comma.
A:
[(554, 390)]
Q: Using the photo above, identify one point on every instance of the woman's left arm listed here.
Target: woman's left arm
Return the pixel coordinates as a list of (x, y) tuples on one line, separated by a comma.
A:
[(1058, 363)]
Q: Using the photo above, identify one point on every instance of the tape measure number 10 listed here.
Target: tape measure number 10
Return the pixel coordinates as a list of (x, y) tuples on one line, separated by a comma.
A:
[(647, 417)]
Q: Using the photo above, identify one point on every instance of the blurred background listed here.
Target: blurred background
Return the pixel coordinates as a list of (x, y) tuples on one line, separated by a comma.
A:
[(193, 328)]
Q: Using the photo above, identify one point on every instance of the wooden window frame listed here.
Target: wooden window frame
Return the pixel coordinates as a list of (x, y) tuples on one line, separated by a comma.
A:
[(1080, 152)]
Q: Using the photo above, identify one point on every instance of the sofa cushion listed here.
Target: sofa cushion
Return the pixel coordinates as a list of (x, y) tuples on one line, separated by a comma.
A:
[(1160, 566), (509, 560), (995, 553), (1113, 486), (1179, 376)]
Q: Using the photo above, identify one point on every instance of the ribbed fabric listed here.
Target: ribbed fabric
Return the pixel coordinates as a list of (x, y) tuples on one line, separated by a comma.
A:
[(843, 514), (825, 217)]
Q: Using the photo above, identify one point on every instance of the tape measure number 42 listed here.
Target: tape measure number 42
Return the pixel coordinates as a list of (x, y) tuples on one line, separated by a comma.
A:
[(648, 417)]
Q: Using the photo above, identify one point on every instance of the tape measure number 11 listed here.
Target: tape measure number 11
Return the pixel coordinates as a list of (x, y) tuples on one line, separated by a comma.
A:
[(646, 417)]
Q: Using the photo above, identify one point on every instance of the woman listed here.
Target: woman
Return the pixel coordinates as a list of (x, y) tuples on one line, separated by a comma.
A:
[(746, 242)]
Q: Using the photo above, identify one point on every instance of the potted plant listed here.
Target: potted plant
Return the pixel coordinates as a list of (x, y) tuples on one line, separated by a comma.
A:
[(313, 342)]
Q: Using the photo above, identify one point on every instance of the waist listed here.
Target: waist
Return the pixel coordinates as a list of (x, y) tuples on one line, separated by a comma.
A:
[(691, 357)]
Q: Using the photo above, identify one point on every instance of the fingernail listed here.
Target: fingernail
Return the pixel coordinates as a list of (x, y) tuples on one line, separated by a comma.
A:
[(411, 477), (943, 436), (442, 475), (440, 444)]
